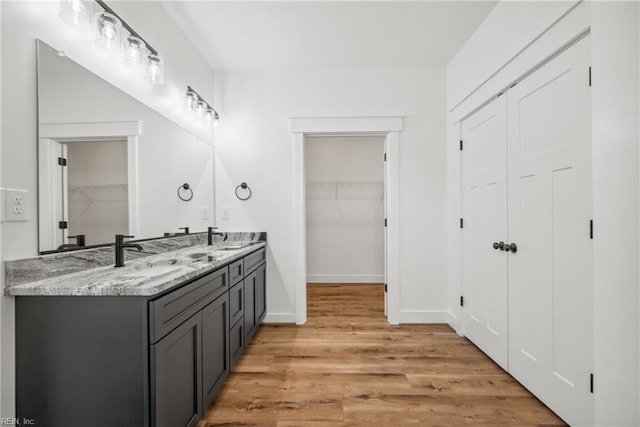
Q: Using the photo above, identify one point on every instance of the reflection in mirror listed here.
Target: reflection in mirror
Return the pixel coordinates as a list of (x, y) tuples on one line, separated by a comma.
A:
[(99, 173)]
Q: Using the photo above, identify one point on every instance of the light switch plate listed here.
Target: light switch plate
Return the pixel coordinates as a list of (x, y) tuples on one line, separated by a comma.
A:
[(204, 212), (226, 213)]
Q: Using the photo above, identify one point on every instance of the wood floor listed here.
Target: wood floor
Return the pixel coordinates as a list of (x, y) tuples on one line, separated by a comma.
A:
[(347, 367)]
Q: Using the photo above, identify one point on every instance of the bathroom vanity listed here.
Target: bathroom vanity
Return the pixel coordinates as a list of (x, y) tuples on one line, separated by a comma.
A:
[(148, 344)]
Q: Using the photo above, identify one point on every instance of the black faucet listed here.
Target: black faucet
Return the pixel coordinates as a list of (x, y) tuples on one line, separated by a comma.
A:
[(120, 246), (80, 242), (211, 233), (186, 229)]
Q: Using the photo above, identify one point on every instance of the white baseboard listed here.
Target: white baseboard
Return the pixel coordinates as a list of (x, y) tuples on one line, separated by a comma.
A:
[(454, 322), (345, 278), (280, 318), (422, 317)]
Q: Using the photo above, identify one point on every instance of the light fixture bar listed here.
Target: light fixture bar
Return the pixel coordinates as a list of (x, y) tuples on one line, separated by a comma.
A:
[(189, 88), (107, 9)]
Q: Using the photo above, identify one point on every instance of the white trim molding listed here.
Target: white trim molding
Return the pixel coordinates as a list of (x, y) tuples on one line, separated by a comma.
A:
[(345, 278), (280, 318), (347, 126)]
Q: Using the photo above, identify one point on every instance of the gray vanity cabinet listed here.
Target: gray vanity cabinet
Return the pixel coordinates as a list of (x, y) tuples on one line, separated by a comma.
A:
[(132, 361), (176, 366)]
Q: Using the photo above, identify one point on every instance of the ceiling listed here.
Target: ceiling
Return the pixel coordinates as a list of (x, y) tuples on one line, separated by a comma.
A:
[(328, 34)]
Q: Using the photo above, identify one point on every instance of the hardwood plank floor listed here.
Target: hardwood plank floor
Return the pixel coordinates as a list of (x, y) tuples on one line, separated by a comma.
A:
[(348, 367)]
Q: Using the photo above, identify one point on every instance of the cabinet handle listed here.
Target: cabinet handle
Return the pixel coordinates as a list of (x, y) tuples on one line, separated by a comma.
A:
[(511, 247), (497, 245)]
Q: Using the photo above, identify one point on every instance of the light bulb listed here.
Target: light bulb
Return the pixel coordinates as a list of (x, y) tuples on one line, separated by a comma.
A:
[(201, 108), (134, 51), (209, 116), (191, 98), (76, 13), (155, 69), (109, 29)]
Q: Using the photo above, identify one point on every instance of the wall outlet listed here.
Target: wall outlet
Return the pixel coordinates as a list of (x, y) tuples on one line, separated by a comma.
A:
[(204, 212), (16, 205), (226, 213)]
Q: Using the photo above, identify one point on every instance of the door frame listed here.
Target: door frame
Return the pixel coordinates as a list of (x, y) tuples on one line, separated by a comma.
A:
[(390, 128), (92, 131)]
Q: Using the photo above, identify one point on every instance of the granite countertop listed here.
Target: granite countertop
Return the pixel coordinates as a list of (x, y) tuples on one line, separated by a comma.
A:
[(140, 277)]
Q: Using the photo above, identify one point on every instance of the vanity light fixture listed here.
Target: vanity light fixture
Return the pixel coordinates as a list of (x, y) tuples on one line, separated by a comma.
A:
[(190, 100), (155, 69), (78, 13), (201, 108), (135, 51), (111, 30)]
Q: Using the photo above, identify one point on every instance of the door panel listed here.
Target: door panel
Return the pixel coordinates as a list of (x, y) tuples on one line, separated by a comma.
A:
[(215, 348), (484, 275), (550, 277), (176, 392)]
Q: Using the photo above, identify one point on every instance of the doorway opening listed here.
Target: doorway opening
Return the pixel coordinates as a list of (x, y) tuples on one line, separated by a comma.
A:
[(345, 212), (389, 129), (87, 183)]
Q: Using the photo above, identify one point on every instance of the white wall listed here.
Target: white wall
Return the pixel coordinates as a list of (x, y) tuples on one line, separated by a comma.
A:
[(615, 193), (615, 109), (345, 209), (23, 23), (505, 32), (254, 145), (4, 349)]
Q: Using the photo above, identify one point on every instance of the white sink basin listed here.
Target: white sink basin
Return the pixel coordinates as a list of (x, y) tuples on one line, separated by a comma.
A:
[(155, 271)]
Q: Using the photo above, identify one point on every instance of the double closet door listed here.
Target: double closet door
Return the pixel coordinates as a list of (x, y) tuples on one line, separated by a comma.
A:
[(527, 248)]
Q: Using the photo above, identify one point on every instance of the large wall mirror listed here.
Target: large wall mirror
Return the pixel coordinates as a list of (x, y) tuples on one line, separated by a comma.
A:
[(108, 164)]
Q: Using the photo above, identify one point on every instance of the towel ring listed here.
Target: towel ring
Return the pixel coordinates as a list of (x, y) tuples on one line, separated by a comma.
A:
[(243, 186), (185, 192)]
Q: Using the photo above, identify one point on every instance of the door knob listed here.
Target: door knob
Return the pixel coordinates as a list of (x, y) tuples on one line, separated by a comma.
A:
[(497, 245), (511, 247)]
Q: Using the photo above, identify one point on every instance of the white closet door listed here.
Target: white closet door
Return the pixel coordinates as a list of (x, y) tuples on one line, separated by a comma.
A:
[(550, 275), (484, 274)]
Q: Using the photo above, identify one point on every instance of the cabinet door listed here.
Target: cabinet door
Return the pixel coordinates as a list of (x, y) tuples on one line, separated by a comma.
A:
[(236, 342), (215, 347), (261, 293), (236, 303), (176, 371), (484, 273), (249, 306)]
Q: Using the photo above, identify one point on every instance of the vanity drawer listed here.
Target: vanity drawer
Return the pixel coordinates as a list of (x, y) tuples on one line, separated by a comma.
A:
[(168, 312), (252, 261), (236, 272), (236, 303)]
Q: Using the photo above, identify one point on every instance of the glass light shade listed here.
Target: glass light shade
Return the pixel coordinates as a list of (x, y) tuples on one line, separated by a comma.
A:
[(201, 108), (209, 116), (190, 100), (135, 52), (78, 13), (109, 32), (155, 69)]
